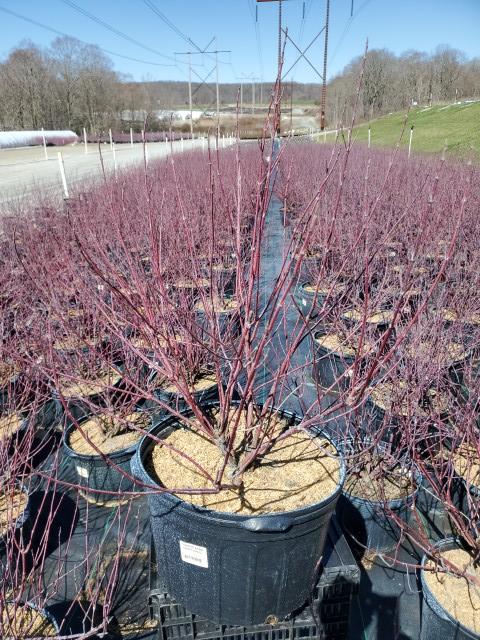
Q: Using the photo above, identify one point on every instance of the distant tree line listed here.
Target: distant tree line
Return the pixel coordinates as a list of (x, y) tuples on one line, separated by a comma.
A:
[(72, 85), (392, 83)]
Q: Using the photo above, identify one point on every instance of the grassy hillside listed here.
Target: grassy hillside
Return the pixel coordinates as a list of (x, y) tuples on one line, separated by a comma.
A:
[(454, 127)]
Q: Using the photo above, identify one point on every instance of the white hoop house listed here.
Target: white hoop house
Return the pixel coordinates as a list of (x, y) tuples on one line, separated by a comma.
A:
[(32, 138)]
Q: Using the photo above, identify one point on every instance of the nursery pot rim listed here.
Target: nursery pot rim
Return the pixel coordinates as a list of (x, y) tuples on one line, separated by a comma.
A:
[(224, 517), (447, 544)]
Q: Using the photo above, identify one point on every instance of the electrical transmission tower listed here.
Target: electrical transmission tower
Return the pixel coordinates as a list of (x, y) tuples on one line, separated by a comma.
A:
[(203, 80), (322, 76)]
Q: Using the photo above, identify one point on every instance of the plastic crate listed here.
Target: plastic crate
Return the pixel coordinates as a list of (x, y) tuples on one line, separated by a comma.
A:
[(326, 617)]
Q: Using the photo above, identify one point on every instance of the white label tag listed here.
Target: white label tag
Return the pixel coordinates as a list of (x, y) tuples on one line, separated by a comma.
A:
[(82, 472), (193, 554)]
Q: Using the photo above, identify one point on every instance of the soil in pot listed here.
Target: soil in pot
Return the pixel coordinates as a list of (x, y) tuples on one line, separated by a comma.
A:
[(374, 483), (12, 506), (459, 596), (220, 305), (90, 385), (377, 318), (8, 372), (393, 398), (295, 472), (10, 424), (86, 388), (25, 621), (203, 386), (467, 464), (99, 431)]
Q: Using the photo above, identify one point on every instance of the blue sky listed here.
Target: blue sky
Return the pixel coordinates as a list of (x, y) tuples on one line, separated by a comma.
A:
[(398, 25)]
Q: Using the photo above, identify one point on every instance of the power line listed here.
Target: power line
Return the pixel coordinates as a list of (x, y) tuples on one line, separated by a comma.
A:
[(254, 15), (346, 29), (67, 35), (113, 29), (153, 7), (169, 23)]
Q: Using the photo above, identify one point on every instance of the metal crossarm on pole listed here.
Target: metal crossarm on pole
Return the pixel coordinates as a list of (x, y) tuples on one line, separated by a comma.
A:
[(302, 54), (203, 80)]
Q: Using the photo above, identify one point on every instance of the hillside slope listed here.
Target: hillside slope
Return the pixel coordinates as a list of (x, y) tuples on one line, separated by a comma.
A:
[(455, 127)]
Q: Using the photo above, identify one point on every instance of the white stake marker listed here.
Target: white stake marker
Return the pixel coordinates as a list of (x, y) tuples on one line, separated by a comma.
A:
[(111, 139), (62, 173), (114, 162), (44, 145), (410, 141), (131, 137), (85, 139), (369, 137)]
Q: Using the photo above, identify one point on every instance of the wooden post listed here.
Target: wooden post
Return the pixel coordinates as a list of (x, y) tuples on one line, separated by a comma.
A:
[(85, 140), (62, 173), (131, 137), (111, 139), (369, 137)]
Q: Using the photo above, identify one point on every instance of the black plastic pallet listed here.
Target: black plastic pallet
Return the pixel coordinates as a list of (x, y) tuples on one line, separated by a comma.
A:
[(326, 618)]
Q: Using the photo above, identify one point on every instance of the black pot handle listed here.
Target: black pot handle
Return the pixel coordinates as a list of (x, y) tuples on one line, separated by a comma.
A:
[(268, 523)]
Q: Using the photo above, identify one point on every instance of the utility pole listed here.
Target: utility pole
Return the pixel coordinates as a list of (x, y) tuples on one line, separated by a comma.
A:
[(203, 80), (291, 105), (252, 79), (324, 83), (190, 93), (279, 61)]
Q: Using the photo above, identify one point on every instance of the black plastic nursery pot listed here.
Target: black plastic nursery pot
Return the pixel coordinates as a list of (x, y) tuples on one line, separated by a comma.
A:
[(34, 440), (437, 622), (101, 472), (369, 524), (332, 370), (227, 321), (434, 518), (230, 568), (307, 298), (378, 321)]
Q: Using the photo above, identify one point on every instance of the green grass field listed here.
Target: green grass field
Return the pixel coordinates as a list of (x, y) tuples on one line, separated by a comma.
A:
[(453, 127)]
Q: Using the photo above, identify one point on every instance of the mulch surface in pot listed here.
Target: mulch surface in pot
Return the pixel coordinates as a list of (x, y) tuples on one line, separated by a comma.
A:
[(100, 437), (296, 472), (458, 595)]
